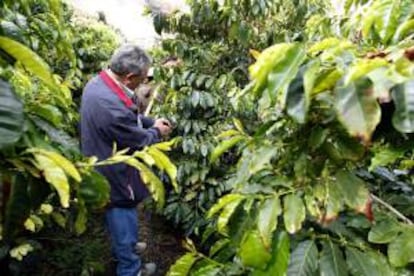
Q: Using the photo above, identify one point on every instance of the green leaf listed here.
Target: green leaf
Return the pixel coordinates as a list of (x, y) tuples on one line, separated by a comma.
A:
[(183, 265), (358, 109), (208, 270), (252, 251), (326, 81), (403, 96), (275, 68), (81, 218), (195, 98), (283, 72), (400, 250), (294, 213), (385, 156), (317, 137), (332, 262), (267, 219), (30, 60), (403, 30), (362, 67), (383, 267), (217, 246), (165, 164), (304, 259), (353, 190), (153, 183), (54, 175), (386, 22), (361, 264), (381, 84), (224, 146), (279, 261), (384, 231), (11, 116), (94, 190), (224, 201), (49, 113), (226, 214), (64, 163)]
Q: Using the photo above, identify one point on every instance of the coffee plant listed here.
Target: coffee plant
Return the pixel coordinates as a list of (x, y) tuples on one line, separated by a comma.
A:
[(323, 177), (45, 183), (210, 52)]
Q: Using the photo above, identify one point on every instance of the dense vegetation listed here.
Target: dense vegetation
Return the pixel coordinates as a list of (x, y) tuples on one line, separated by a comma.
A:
[(296, 118), (312, 172), (48, 190)]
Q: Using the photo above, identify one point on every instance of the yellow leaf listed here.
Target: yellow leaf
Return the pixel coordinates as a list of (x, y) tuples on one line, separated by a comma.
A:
[(165, 164), (30, 225), (46, 208), (20, 251), (61, 161), (55, 176), (255, 54)]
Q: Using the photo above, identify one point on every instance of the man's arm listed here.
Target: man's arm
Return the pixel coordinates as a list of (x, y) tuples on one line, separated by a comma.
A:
[(121, 125), (147, 122)]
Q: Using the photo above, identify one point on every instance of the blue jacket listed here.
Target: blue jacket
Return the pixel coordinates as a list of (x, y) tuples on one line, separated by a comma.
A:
[(108, 116)]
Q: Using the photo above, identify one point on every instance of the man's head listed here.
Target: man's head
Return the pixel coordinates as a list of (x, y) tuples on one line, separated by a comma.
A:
[(130, 63)]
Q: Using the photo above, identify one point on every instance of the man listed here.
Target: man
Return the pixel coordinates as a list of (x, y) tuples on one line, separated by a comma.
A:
[(108, 117)]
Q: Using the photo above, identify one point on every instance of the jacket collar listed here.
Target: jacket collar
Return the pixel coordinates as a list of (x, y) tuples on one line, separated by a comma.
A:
[(116, 88)]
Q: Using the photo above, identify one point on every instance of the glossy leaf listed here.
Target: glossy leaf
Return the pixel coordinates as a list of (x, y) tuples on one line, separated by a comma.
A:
[(403, 96), (361, 264), (11, 116), (224, 201), (252, 252), (385, 156), (225, 215), (293, 213), (279, 261), (208, 270), (304, 259), (183, 265), (64, 163), (283, 72), (267, 219), (384, 231), (165, 164), (55, 175), (358, 109), (362, 67), (94, 190), (81, 218), (224, 146), (30, 60), (332, 262), (400, 250), (153, 183), (353, 190)]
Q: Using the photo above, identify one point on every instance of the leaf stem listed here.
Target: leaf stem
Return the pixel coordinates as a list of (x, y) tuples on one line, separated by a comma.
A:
[(392, 209)]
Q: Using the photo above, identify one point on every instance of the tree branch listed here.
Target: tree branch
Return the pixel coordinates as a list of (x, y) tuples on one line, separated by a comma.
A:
[(392, 209)]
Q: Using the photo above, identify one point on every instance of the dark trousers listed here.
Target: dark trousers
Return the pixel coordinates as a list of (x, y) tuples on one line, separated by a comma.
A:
[(122, 224)]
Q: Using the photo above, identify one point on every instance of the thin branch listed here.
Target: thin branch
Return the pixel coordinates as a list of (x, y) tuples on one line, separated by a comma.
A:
[(392, 209)]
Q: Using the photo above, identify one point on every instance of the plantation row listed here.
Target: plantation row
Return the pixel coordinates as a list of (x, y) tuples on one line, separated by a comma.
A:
[(295, 118)]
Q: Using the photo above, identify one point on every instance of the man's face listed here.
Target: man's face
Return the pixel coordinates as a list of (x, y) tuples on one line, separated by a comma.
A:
[(132, 81)]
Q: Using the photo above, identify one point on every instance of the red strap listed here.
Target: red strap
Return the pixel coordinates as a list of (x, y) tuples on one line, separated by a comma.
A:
[(115, 88)]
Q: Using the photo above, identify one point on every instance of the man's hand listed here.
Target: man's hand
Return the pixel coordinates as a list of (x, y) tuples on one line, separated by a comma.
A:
[(164, 126)]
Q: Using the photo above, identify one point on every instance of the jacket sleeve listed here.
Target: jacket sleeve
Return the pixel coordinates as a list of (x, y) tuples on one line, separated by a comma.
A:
[(122, 127), (147, 122)]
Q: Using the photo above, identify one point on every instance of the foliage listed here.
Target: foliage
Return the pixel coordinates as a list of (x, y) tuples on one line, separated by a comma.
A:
[(210, 48), (45, 183), (311, 162)]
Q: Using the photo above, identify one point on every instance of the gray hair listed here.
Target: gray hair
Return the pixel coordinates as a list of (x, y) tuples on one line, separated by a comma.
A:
[(129, 59)]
